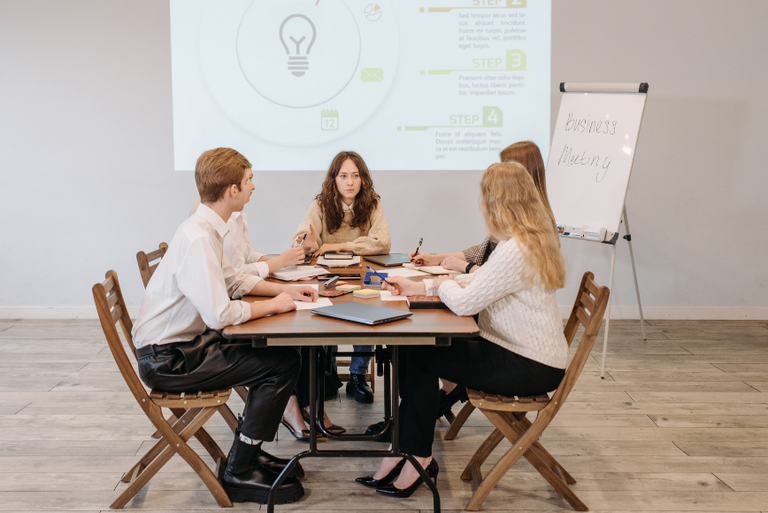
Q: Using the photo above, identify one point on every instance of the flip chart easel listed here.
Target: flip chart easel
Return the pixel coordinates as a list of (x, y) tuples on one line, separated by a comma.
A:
[(590, 161)]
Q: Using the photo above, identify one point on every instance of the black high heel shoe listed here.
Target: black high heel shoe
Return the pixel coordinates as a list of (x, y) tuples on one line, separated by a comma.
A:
[(391, 490), (448, 400), (384, 481), (332, 429), (302, 435)]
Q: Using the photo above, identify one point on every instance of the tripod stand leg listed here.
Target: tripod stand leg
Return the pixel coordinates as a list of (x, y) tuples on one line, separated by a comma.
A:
[(608, 314), (628, 236)]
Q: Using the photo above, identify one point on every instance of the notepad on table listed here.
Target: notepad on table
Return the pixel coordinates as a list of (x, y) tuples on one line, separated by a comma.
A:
[(366, 293), (352, 261), (431, 269)]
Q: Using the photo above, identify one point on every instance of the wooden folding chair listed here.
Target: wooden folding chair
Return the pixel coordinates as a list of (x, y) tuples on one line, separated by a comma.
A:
[(191, 409), (508, 413), (147, 269)]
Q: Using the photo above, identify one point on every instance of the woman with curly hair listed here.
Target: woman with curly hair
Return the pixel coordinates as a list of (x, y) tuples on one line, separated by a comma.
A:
[(347, 215)]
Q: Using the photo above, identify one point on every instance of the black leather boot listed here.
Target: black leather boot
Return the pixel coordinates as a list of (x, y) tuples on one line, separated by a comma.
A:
[(244, 481), (358, 387), (273, 463)]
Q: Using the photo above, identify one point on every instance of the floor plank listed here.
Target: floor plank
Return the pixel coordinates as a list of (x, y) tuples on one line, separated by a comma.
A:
[(680, 424)]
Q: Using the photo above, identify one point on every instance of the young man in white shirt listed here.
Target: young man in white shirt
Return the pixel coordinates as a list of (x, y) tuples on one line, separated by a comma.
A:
[(187, 302)]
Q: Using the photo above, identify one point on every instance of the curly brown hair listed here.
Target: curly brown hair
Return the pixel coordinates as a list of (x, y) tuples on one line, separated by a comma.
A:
[(329, 198)]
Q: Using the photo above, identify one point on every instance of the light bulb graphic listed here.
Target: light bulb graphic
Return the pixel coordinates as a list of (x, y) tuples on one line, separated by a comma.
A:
[(297, 32)]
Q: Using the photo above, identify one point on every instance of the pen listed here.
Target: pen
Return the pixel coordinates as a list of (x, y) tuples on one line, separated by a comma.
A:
[(418, 246), (382, 278)]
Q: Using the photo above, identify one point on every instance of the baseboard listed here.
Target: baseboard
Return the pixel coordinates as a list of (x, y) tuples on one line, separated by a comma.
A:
[(721, 313), (693, 313)]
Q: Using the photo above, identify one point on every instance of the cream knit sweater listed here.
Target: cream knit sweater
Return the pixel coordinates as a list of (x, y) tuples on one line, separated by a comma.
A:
[(372, 239), (514, 314)]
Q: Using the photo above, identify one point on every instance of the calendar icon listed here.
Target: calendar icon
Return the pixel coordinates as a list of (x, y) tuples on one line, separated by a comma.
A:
[(329, 119)]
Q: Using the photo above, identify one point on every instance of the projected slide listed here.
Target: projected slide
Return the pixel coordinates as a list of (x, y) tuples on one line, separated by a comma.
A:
[(410, 85)]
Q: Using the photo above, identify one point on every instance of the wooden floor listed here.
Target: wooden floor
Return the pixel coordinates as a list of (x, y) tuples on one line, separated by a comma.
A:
[(679, 424)]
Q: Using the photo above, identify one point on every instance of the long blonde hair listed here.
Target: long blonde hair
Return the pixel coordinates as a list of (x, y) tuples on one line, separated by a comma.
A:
[(512, 207)]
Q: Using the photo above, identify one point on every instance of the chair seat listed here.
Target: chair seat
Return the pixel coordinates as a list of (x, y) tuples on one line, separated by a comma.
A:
[(189, 400), (498, 402)]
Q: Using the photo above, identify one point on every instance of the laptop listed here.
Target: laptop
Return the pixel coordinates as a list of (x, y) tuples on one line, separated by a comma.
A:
[(390, 260), (362, 313)]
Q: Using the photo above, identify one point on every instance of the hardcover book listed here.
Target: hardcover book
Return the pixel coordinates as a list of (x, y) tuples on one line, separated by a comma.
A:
[(424, 302)]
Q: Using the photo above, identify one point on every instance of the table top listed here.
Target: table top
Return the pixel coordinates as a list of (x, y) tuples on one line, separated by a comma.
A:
[(304, 328)]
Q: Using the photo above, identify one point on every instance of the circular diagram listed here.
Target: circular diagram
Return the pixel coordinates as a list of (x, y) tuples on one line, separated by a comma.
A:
[(299, 72)]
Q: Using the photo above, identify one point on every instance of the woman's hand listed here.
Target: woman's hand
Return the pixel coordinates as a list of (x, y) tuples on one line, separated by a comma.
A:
[(326, 248), (424, 258), (454, 264), (310, 239), (401, 286), (441, 279), (301, 293)]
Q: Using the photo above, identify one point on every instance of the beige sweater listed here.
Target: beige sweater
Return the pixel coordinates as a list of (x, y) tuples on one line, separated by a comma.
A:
[(373, 239)]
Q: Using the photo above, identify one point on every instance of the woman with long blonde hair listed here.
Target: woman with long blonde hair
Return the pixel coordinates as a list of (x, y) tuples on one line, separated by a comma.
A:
[(521, 349), (471, 259)]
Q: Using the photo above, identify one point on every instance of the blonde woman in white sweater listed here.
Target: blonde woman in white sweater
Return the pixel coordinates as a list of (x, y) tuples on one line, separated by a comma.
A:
[(521, 349)]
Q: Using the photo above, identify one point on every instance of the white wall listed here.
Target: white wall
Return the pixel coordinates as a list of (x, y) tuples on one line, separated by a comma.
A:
[(86, 175)]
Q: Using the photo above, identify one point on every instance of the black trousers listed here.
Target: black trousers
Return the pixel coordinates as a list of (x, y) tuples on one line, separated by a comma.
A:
[(476, 363), (210, 362)]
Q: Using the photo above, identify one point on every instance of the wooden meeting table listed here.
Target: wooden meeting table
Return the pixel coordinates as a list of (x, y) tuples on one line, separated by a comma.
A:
[(302, 328)]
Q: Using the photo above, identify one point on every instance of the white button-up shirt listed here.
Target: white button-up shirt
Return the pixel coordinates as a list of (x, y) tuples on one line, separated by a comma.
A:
[(191, 288), (237, 247)]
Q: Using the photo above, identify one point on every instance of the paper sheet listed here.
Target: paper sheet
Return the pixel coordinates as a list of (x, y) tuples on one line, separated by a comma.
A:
[(388, 296), (298, 272), (403, 271), (321, 301)]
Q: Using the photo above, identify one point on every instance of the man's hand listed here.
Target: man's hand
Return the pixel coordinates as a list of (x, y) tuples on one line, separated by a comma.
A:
[(302, 293), (454, 264), (282, 303), (326, 248), (424, 258), (401, 286), (293, 256)]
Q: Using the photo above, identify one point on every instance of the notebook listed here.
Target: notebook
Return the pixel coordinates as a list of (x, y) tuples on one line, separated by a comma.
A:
[(389, 260), (424, 302), (362, 313)]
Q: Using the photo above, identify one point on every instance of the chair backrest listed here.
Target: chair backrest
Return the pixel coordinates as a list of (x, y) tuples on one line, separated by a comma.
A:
[(588, 310), (146, 267), (110, 306)]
